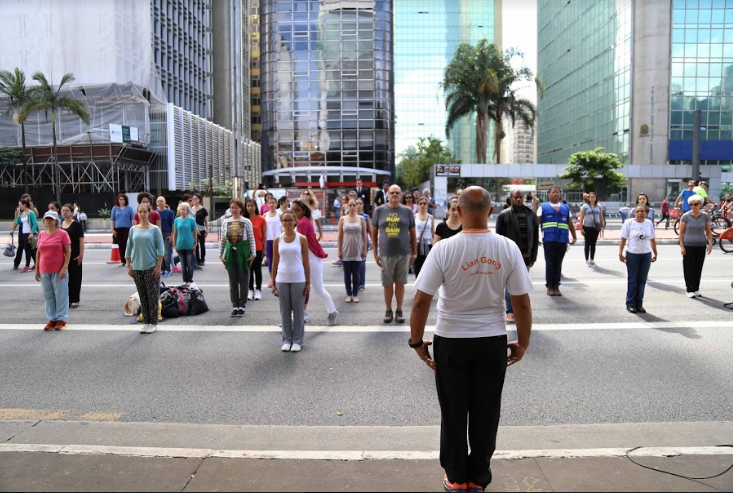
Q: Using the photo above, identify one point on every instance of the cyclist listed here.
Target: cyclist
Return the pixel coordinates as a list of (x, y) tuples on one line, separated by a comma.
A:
[(684, 195)]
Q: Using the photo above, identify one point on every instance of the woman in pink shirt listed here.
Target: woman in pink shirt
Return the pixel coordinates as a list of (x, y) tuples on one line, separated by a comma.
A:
[(316, 256), (52, 269)]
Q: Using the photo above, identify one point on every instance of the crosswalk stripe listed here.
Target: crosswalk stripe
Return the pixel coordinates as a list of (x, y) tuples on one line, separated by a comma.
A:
[(349, 455), (639, 325)]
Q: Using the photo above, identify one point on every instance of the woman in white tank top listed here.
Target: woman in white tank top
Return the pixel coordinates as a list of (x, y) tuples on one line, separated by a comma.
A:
[(291, 272)]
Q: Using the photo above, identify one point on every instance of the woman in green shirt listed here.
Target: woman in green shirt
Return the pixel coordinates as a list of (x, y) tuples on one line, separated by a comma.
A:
[(143, 257)]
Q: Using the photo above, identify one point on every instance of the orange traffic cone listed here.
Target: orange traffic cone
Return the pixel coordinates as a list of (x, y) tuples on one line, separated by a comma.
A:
[(114, 257)]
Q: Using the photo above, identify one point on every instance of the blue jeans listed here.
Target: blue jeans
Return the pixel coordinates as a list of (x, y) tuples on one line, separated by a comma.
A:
[(508, 299), (637, 267), (362, 274), (351, 276), (56, 293), (187, 259)]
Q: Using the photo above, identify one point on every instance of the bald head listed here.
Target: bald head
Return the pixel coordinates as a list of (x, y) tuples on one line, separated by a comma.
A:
[(395, 194), (475, 201)]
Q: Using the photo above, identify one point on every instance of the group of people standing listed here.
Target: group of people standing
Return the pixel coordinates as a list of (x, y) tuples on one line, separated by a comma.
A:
[(57, 251)]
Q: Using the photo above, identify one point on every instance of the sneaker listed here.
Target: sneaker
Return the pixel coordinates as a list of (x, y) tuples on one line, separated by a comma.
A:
[(587, 262), (388, 316), (305, 317), (15, 267), (50, 325), (240, 312), (362, 288), (336, 262), (251, 295), (198, 267), (592, 263), (60, 326), (332, 318), (74, 305), (398, 316), (258, 294), (474, 488), (296, 348), (690, 295), (640, 309), (26, 269), (510, 317), (145, 328), (235, 313), (454, 487), (176, 270), (152, 328), (698, 294), (285, 348), (356, 300)]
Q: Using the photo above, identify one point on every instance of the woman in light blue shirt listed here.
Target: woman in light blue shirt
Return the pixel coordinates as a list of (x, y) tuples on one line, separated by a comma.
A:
[(184, 239), (144, 256)]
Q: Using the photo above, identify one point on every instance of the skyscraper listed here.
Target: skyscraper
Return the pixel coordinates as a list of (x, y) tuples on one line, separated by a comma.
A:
[(628, 75), (327, 91), (427, 33)]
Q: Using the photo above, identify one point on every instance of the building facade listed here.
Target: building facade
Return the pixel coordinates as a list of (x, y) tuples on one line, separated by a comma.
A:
[(628, 75), (519, 145), (427, 33), (327, 91)]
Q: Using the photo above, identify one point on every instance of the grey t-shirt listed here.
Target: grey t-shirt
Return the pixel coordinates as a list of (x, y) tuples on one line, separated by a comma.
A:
[(592, 215), (695, 229), (394, 229)]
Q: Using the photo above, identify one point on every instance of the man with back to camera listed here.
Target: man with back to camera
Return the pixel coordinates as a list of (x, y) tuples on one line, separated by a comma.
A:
[(557, 227), (167, 217), (395, 249), (471, 270)]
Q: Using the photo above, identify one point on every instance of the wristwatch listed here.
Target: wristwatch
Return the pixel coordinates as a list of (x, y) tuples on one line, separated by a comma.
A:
[(415, 345)]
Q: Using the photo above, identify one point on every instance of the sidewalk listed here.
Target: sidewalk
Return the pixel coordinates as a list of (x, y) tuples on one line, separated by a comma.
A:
[(109, 456)]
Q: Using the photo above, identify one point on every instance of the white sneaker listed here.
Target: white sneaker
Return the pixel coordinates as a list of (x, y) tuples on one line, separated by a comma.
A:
[(144, 330), (332, 318), (592, 263), (305, 317), (690, 295), (296, 348), (250, 295), (152, 329), (286, 347), (698, 294), (258, 294)]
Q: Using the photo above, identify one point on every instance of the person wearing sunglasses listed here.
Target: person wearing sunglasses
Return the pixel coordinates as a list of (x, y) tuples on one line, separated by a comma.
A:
[(696, 239), (310, 200), (409, 201)]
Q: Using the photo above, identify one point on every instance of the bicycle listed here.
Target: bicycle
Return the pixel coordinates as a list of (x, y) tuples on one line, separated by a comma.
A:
[(726, 240)]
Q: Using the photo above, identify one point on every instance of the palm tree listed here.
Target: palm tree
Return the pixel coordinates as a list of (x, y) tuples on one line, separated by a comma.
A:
[(12, 85), (505, 101), (50, 100), (481, 81)]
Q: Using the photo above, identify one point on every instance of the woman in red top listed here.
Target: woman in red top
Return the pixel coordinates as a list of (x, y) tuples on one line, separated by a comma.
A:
[(259, 226), (316, 256), (52, 269)]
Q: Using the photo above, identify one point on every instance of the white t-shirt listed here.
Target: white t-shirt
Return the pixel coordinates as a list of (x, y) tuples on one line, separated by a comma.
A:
[(639, 236), (471, 271), (315, 215)]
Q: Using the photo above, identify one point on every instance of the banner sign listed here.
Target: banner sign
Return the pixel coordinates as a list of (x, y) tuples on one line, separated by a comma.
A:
[(448, 170)]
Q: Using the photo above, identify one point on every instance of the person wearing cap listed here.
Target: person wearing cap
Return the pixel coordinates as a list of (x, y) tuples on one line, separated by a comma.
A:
[(52, 269)]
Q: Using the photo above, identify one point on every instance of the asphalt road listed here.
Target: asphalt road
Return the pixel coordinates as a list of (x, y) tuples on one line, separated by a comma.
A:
[(582, 366)]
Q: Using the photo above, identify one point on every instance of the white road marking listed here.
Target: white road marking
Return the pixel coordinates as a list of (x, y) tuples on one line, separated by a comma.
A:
[(391, 328), (173, 282), (349, 455)]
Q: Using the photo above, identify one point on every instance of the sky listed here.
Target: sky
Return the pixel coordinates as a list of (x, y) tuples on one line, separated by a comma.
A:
[(520, 31)]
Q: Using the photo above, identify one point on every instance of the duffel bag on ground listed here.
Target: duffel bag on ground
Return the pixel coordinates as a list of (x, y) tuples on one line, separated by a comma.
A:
[(197, 304)]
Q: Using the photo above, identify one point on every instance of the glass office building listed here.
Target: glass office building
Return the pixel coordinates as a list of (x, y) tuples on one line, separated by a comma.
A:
[(702, 79), (584, 61), (427, 33), (327, 91)]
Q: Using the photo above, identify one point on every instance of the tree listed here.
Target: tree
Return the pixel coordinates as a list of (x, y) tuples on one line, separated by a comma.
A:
[(480, 80), (13, 86), (9, 157), (416, 164), (50, 100), (594, 171)]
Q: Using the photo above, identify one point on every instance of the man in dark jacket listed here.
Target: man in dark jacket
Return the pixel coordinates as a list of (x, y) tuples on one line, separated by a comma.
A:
[(520, 224), (365, 195)]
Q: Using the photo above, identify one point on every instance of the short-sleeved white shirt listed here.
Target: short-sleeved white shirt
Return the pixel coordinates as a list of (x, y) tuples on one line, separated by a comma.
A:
[(471, 271), (639, 235)]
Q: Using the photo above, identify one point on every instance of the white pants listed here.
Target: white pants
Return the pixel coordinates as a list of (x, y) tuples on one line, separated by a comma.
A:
[(317, 282)]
